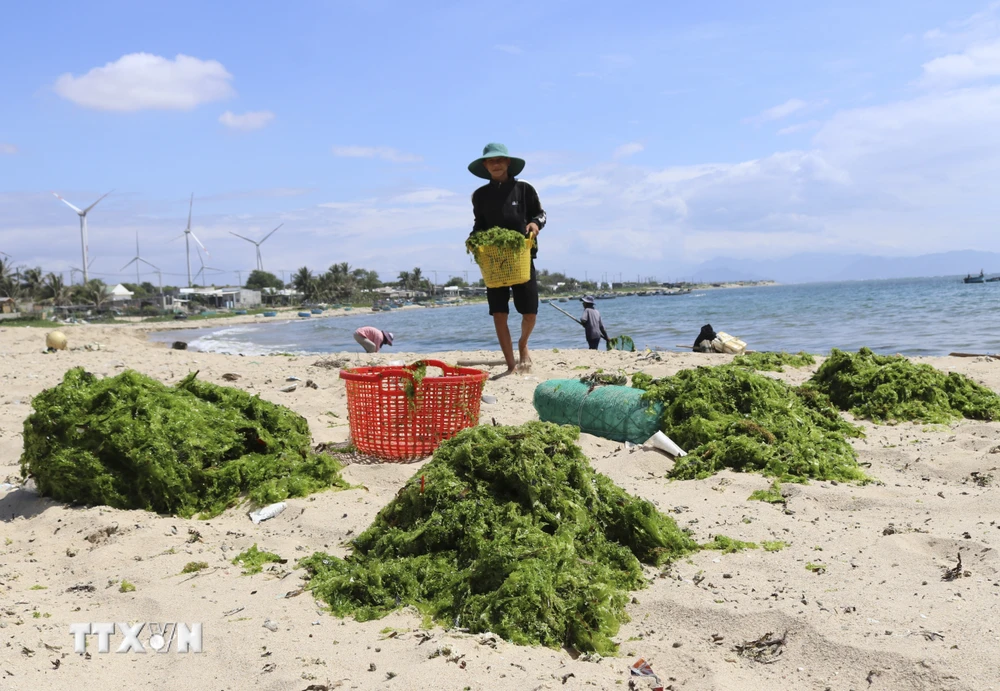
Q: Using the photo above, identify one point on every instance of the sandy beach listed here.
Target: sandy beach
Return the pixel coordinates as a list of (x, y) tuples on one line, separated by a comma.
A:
[(873, 612)]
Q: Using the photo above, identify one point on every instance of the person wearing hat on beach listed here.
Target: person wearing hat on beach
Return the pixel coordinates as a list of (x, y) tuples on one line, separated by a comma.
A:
[(509, 203), (372, 339), (592, 323)]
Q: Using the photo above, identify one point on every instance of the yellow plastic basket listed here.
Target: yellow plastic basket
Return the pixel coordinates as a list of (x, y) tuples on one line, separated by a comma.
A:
[(503, 267)]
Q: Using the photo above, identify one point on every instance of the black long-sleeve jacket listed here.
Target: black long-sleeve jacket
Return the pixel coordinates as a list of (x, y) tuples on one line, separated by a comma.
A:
[(510, 204)]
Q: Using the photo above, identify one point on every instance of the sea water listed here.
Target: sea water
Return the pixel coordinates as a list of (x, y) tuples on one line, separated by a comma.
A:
[(920, 316)]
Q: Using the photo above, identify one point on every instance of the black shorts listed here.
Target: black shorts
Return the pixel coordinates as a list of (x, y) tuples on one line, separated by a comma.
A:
[(525, 296)]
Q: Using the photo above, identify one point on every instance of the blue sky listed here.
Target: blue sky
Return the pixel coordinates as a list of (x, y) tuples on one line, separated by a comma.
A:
[(658, 135)]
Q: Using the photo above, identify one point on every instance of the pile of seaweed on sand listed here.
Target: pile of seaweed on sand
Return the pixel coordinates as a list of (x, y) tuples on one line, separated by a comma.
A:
[(774, 362), (890, 388), (131, 442), (729, 416), (509, 530)]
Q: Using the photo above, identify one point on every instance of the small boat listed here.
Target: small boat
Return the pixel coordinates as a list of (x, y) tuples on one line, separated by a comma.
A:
[(317, 310), (994, 278), (981, 278), (305, 314), (240, 312), (563, 299), (270, 314), (348, 307)]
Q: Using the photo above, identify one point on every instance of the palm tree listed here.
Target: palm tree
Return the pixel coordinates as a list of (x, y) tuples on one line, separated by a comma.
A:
[(304, 282), (94, 291), (31, 282), (8, 284), (55, 289), (404, 280)]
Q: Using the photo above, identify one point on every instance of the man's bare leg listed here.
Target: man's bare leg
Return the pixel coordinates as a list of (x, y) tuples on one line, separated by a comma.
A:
[(503, 335), (527, 326)]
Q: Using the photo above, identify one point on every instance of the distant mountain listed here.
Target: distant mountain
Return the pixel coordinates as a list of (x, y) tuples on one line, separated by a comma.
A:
[(815, 267)]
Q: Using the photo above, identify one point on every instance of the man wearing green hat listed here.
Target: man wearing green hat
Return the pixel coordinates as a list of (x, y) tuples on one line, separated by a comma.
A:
[(509, 203)]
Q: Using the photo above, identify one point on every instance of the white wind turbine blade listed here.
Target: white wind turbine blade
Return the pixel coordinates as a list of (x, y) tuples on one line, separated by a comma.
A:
[(199, 242), (93, 205), (134, 260), (242, 236), (190, 208), (269, 234), (68, 204), (148, 263)]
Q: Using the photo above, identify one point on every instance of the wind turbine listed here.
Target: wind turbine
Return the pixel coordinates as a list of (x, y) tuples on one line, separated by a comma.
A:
[(79, 270), (188, 233), (83, 229), (136, 259), (260, 261), (201, 271)]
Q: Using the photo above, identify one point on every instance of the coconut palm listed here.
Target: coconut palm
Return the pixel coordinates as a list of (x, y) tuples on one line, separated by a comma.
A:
[(55, 289), (304, 282), (31, 282)]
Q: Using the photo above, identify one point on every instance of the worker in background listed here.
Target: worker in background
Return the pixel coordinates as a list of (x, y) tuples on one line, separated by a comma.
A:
[(592, 323), (372, 339)]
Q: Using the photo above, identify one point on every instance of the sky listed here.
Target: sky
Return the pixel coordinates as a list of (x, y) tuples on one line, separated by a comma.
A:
[(658, 134)]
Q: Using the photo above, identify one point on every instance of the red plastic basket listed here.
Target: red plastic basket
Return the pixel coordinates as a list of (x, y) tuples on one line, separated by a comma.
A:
[(390, 418)]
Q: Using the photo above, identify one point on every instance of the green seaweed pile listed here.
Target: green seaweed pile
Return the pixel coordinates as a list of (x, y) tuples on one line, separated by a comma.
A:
[(509, 530), (501, 238), (774, 362), (728, 416), (885, 388), (131, 442)]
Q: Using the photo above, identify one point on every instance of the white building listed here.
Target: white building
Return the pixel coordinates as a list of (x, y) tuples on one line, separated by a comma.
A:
[(119, 293), (229, 296)]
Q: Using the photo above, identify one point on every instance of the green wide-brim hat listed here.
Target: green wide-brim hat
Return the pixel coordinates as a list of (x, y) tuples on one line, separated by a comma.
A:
[(494, 150)]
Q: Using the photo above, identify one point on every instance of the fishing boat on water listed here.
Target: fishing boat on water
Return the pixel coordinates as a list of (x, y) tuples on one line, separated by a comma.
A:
[(981, 278)]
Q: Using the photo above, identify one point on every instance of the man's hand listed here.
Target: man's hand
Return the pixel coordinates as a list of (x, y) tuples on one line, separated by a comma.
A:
[(532, 229)]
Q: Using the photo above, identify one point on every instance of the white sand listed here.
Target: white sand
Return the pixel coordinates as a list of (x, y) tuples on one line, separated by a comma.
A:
[(880, 617)]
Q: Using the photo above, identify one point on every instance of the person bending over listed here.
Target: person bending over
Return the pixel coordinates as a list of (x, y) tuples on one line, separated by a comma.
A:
[(372, 339)]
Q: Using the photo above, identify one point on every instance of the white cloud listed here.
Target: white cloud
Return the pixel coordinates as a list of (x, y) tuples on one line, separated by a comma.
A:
[(140, 81), (7, 149), (246, 122), (513, 50), (782, 110), (426, 196), (626, 150), (977, 62), (800, 127), (385, 153)]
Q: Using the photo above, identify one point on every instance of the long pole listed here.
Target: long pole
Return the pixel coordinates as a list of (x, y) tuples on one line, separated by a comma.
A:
[(83, 245), (187, 251)]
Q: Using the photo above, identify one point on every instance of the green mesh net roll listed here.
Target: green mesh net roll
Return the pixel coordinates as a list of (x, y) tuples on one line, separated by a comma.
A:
[(612, 412)]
